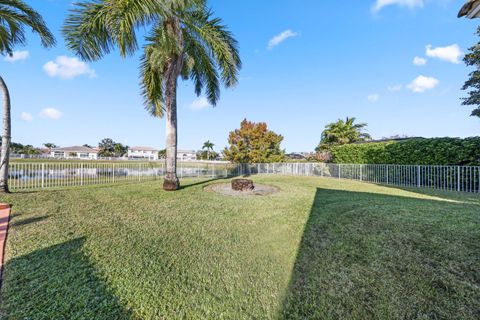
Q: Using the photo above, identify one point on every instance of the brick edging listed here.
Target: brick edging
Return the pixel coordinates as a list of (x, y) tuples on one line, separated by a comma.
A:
[(4, 222)]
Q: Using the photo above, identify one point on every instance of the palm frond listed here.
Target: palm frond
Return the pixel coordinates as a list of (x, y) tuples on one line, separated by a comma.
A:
[(151, 81), (214, 36), (204, 70), (14, 16)]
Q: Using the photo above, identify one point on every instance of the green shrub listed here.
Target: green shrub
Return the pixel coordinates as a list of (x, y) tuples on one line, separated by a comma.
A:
[(435, 151)]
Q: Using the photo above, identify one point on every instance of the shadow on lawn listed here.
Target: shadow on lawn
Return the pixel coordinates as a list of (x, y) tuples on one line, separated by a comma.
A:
[(57, 283), (15, 223), (374, 256), (190, 185)]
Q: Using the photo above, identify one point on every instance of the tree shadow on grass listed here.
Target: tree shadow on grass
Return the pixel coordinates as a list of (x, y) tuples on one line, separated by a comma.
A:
[(193, 184), (57, 283), (15, 223), (374, 256)]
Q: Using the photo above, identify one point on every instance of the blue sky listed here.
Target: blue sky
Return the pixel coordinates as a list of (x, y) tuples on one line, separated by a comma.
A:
[(305, 64)]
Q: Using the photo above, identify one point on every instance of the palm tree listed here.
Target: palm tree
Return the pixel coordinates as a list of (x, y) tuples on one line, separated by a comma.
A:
[(184, 41), (209, 146), (15, 15), (342, 132)]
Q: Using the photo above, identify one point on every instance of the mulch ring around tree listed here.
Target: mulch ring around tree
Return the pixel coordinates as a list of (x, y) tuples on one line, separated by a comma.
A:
[(226, 189)]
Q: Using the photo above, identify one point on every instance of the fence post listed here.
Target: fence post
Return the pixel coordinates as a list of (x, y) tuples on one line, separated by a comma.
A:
[(361, 172), (419, 180), (81, 174), (113, 172), (339, 171), (386, 169), (458, 179), (43, 175)]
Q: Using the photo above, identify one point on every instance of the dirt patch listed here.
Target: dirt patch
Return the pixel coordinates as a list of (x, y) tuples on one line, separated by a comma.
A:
[(226, 189)]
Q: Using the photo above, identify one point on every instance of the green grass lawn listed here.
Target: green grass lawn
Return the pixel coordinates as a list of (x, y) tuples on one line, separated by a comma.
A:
[(319, 249)]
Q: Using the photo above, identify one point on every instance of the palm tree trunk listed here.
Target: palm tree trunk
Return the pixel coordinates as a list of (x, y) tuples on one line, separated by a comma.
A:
[(6, 136), (171, 182), (174, 69)]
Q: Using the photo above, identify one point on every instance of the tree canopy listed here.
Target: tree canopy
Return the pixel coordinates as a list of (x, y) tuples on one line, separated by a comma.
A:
[(472, 58), (342, 132), (254, 143), (109, 148)]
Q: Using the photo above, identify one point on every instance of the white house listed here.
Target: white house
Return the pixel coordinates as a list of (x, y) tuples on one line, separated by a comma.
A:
[(143, 153), (186, 155), (76, 152)]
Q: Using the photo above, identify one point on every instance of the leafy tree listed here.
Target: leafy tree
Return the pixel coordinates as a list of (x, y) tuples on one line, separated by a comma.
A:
[(254, 143), (472, 58), (18, 148), (87, 146), (208, 146), (205, 155), (120, 150), (342, 132), (15, 16), (184, 41), (50, 145), (109, 148), (162, 154)]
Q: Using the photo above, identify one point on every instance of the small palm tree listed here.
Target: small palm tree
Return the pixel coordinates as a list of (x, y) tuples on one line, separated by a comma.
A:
[(342, 132), (184, 41), (15, 15), (209, 147)]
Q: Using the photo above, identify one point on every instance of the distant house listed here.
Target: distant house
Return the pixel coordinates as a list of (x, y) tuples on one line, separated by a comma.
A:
[(186, 155), (75, 152), (142, 153)]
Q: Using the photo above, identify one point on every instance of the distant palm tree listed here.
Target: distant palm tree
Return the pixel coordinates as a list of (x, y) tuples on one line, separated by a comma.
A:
[(209, 146), (342, 132), (184, 41), (15, 15)]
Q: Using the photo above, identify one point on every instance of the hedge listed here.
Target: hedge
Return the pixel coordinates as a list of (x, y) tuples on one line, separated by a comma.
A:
[(434, 151)]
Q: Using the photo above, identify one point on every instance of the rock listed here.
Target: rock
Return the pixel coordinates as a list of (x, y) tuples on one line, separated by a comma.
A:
[(242, 185)]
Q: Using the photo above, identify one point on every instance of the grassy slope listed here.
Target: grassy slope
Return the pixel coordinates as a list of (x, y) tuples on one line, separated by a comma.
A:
[(320, 248)]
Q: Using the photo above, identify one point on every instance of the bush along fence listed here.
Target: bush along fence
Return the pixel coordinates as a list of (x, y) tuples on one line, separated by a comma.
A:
[(414, 151), (28, 176)]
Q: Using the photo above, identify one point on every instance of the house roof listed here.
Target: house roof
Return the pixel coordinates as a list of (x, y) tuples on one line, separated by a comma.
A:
[(186, 151), (142, 149), (77, 149)]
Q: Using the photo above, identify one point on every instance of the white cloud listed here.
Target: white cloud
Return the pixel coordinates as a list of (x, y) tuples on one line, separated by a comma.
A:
[(395, 88), (17, 56), (422, 84), (373, 97), (380, 4), (68, 68), (450, 53), (279, 38), (25, 116), (418, 61), (200, 103), (51, 113)]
